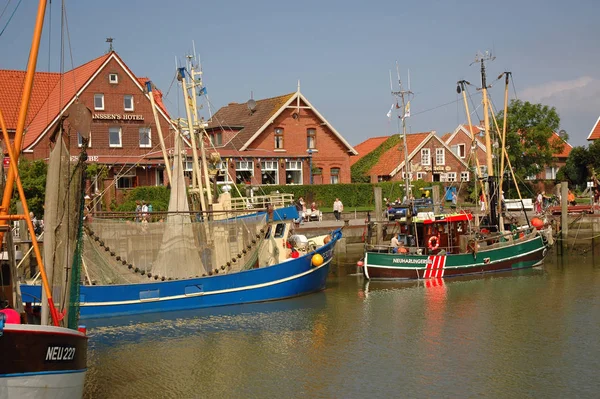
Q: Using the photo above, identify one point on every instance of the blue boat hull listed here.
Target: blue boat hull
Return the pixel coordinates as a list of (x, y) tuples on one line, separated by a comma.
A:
[(292, 278)]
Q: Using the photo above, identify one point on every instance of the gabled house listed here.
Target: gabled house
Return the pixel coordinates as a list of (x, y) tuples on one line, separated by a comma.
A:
[(595, 132), (123, 136), (430, 159), (461, 143), (279, 140)]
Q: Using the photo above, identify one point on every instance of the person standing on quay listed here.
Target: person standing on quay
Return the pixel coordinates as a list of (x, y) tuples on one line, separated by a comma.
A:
[(338, 207)]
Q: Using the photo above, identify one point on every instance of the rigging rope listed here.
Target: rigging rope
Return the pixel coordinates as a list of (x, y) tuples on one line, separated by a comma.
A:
[(11, 16)]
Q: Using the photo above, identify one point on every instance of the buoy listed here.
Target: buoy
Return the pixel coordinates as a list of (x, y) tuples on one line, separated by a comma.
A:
[(295, 254), (82, 329), (11, 316), (537, 223), (317, 260), (360, 263)]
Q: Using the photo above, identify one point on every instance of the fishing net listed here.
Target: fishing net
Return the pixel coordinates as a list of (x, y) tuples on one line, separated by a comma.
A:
[(62, 217), (125, 251)]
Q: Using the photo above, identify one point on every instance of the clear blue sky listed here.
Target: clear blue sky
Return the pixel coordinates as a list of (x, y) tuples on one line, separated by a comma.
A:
[(341, 52)]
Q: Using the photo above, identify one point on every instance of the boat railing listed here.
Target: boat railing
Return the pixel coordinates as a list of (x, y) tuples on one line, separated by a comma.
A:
[(277, 200), (489, 242)]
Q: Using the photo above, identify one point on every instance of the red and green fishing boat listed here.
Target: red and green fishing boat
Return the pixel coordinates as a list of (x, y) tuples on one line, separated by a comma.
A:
[(451, 251)]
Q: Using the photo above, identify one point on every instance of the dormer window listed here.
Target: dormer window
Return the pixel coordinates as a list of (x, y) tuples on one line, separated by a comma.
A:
[(113, 78)]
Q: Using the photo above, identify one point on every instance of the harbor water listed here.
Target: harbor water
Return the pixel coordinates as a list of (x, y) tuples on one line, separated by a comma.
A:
[(531, 333)]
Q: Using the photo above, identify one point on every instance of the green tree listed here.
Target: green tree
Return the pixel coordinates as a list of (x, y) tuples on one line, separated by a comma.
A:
[(529, 135), (582, 164), (33, 178)]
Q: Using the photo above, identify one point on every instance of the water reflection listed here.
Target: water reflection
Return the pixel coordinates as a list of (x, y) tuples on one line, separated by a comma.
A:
[(530, 333)]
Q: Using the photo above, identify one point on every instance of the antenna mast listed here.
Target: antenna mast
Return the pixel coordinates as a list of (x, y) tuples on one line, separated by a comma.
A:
[(404, 96)]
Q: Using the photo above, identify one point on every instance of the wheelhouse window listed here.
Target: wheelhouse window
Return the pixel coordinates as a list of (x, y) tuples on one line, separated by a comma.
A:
[(311, 139), (278, 138), (145, 137), (425, 157), (335, 175), (293, 172), (244, 170), (269, 172), (440, 156), (128, 102), (99, 102), (114, 137), (113, 78)]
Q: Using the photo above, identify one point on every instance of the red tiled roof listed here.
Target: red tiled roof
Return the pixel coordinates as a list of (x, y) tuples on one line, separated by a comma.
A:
[(393, 157), (238, 115), (366, 147), (566, 150), (595, 132), (446, 136), (64, 90), (11, 83)]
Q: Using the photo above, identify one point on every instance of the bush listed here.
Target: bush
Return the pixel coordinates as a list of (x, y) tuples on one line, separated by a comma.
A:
[(158, 196)]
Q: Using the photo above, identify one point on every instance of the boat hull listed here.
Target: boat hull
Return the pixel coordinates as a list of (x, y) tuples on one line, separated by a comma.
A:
[(288, 279), (520, 255), (42, 362)]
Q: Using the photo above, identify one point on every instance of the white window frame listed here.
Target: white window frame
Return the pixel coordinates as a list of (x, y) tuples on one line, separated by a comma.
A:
[(149, 131), (113, 78), (440, 156), (450, 176), (294, 166), (125, 97), (425, 157), (112, 130), (99, 96), (552, 170), (311, 139), (465, 176), (269, 166), (421, 175), (333, 177), (80, 140), (128, 174), (462, 153), (278, 141), (158, 176)]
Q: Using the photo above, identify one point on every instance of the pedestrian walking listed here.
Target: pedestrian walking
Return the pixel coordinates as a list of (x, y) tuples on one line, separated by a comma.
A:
[(338, 207)]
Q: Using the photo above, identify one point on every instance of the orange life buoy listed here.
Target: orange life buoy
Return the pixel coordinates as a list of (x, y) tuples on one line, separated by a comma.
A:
[(431, 244)]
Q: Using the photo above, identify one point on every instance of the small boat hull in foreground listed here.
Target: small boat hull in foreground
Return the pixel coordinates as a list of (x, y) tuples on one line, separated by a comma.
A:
[(41, 362)]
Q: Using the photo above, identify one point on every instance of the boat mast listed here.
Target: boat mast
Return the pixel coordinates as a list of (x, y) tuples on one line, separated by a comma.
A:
[(197, 83), (492, 183), (163, 148), (190, 125), (460, 88)]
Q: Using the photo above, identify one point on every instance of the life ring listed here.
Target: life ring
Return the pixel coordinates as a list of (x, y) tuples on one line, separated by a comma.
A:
[(431, 245)]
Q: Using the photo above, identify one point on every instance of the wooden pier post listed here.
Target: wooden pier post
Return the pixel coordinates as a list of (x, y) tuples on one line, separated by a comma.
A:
[(564, 221), (378, 214), (435, 194)]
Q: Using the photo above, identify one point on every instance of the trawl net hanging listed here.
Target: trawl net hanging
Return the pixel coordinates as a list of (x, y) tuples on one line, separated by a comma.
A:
[(174, 249)]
